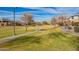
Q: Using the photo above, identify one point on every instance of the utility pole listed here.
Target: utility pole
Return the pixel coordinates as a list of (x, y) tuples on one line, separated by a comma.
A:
[(78, 20), (14, 21)]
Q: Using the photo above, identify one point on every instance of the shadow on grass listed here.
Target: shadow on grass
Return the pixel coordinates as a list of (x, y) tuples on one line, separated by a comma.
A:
[(57, 35), (77, 43), (43, 29), (21, 40), (74, 40), (61, 35), (30, 39)]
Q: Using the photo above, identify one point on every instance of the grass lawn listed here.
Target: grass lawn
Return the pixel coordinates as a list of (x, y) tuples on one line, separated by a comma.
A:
[(8, 30), (45, 40)]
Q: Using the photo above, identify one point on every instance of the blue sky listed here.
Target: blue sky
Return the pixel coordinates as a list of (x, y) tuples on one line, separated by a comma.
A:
[(38, 13)]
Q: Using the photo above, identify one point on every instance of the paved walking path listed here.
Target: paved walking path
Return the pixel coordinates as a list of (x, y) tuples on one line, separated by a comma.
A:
[(7, 39)]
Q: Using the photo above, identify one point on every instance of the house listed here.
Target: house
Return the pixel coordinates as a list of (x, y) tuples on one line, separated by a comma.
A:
[(74, 19), (7, 22)]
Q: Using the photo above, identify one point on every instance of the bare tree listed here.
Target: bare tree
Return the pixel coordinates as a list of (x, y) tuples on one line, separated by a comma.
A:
[(53, 21), (27, 18)]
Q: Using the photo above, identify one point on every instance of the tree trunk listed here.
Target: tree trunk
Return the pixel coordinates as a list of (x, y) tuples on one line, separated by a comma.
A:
[(26, 27)]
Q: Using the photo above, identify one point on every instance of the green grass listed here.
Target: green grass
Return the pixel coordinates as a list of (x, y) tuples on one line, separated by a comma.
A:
[(45, 40), (8, 30)]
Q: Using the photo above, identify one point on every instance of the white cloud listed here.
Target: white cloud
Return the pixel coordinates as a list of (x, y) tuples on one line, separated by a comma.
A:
[(47, 10), (50, 10)]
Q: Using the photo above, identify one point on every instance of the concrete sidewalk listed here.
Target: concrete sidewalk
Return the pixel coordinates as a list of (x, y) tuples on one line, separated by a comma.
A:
[(7, 39)]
